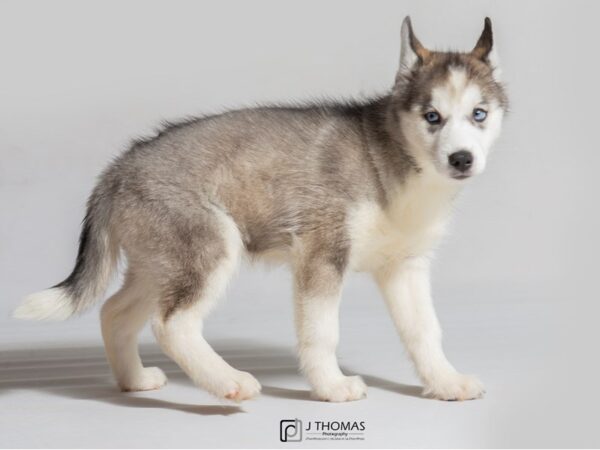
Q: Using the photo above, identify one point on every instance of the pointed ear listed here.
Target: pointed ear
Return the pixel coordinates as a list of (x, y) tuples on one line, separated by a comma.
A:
[(485, 43), (411, 50), (485, 49)]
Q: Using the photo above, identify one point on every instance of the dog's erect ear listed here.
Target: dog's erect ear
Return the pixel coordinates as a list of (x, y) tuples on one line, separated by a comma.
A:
[(485, 43), (485, 49), (411, 50)]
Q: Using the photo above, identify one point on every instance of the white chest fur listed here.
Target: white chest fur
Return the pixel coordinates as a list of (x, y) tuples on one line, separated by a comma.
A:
[(410, 225)]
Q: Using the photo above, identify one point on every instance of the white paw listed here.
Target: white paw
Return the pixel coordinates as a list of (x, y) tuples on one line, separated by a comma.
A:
[(148, 379), (345, 390), (237, 386), (455, 386)]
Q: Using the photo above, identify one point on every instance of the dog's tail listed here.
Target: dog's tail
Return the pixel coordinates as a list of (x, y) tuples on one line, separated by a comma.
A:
[(96, 261)]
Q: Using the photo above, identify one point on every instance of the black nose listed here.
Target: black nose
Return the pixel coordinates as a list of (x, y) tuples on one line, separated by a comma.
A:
[(461, 160)]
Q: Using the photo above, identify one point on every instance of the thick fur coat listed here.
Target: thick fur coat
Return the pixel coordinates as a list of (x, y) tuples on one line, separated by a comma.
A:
[(326, 188)]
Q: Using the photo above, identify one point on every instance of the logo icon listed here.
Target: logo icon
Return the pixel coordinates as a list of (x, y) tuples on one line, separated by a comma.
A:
[(290, 430)]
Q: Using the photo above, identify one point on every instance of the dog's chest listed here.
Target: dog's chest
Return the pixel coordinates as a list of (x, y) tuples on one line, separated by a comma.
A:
[(409, 226)]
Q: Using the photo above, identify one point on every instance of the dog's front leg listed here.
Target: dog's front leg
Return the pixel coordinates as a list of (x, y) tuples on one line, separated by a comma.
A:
[(317, 299), (406, 289)]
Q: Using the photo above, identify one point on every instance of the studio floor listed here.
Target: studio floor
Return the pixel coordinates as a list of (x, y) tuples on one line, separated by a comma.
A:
[(60, 394)]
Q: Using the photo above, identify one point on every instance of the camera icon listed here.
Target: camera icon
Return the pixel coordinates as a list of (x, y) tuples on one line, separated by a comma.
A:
[(290, 430)]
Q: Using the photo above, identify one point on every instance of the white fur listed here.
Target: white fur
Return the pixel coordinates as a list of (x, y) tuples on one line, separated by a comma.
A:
[(317, 323), (122, 318), (411, 225), (494, 60), (51, 304), (405, 287), (56, 304), (180, 336), (393, 244), (455, 101)]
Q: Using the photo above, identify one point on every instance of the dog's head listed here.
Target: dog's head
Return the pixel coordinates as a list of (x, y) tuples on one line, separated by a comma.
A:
[(449, 105)]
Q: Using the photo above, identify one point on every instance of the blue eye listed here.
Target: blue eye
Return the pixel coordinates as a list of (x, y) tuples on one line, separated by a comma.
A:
[(479, 115), (432, 117)]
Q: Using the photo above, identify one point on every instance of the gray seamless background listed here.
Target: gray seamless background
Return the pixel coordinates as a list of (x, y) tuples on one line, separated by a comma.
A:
[(515, 281)]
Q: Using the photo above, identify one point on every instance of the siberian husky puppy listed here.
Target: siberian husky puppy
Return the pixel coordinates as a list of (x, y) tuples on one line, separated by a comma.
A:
[(328, 188)]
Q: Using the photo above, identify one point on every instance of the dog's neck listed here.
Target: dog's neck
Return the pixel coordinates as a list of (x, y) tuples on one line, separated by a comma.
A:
[(397, 166)]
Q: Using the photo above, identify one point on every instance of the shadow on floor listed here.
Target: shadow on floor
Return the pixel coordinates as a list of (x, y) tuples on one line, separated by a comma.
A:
[(83, 373)]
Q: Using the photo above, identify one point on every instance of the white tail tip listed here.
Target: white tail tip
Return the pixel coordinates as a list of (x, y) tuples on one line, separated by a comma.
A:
[(51, 304)]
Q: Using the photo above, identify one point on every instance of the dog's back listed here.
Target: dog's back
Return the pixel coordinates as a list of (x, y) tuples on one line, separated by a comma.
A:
[(329, 187)]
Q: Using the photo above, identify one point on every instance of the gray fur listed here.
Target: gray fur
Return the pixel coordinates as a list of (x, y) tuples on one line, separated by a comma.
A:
[(306, 183), (283, 174), (280, 173)]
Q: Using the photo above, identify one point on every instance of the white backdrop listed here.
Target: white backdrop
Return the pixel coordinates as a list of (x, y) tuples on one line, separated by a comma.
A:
[(79, 80)]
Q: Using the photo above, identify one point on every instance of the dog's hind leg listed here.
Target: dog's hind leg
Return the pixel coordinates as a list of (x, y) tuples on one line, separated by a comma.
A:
[(188, 295), (122, 318), (318, 280)]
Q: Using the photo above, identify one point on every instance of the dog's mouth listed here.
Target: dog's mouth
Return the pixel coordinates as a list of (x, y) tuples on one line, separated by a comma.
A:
[(461, 176)]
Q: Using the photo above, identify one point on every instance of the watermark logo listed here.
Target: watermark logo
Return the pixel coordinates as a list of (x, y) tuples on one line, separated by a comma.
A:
[(295, 430), (290, 430)]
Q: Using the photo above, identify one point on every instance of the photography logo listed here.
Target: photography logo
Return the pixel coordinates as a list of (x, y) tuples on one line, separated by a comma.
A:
[(290, 430), (296, 430)]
